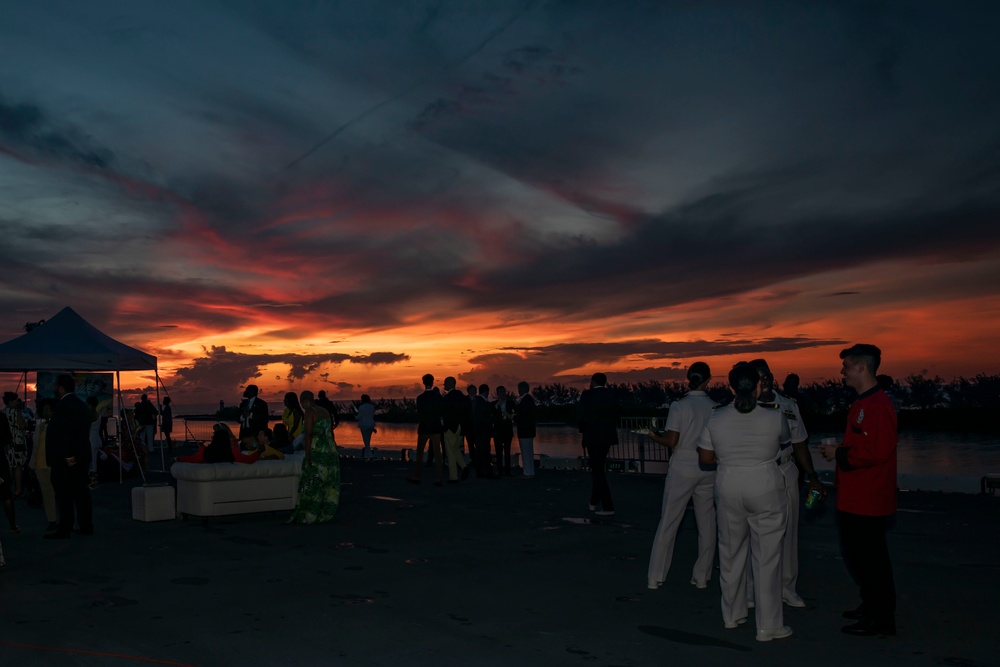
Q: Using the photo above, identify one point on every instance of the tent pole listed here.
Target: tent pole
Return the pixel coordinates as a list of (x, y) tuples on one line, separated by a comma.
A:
[(128, 430), (159, 409), (121, 465)]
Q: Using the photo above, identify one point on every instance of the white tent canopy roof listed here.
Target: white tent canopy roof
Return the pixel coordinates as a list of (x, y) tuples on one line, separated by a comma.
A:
[(67, 342)]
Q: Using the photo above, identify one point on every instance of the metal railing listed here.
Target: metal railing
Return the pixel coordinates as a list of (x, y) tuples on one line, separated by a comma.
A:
[(635, 451), (197, 430)]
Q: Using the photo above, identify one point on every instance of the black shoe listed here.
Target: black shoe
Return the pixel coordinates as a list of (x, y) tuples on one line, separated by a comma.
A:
[(57, 535), (854, 614), (52, 526), (453, 481), (465, 473), (870, 629)]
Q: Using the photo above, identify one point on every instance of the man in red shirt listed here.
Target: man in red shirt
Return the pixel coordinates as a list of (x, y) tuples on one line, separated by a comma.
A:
[(866, 492)]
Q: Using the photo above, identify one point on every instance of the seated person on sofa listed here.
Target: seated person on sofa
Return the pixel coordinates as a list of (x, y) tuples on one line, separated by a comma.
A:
[(280, 441), (224, 448), (265, 446)]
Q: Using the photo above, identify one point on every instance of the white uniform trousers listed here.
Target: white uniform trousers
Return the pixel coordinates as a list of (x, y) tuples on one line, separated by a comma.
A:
[(751, 516), (685, 480), (790, 541)]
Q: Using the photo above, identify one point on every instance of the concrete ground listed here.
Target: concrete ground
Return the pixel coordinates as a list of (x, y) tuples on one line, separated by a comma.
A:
[(510, 572)]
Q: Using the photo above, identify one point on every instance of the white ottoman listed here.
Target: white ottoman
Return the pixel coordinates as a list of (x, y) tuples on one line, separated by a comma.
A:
[(153, 503)]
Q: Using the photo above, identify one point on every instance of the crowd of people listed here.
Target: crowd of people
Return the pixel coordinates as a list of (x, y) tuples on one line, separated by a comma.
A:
[(449, 420), (743, 465)]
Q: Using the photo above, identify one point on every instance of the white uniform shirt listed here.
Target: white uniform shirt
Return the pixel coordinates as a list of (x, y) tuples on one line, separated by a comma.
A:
[(797, 428), (794, 417), (687, 417), (743, 440)]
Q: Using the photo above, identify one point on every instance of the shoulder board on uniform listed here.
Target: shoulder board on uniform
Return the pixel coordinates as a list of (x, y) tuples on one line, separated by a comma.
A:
[(784, 395), (769, 406)]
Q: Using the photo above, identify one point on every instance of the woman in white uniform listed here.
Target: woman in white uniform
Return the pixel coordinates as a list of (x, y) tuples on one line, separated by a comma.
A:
[(745, 439), (686, 479)]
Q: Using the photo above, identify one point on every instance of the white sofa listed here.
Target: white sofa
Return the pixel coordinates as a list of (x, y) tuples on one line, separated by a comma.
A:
[(218, 489)]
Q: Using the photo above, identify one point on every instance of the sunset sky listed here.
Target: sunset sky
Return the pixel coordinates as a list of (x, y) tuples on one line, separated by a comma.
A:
[(347, 195)]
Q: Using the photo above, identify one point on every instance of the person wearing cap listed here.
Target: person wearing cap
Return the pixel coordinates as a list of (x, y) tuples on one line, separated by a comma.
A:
[(745, 437), (866, 492), (790, 460), (254, 416), (686, 480)]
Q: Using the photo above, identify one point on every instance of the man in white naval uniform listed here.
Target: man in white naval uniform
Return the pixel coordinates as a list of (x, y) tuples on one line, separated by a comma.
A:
[(797, 452), (745, 439), (686, 479)]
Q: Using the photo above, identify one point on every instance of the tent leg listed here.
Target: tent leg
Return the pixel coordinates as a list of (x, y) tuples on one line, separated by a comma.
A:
[(121, 465), (159, 408)]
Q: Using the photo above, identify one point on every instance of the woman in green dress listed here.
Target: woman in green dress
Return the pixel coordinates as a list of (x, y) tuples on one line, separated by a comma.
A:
[(319, 486)]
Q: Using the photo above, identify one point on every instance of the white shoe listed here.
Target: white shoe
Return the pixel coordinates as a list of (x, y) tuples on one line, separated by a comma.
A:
[(780, 633), (653, 585), (605, 513), (738, 623), (793, 600), (592, 507), (699, 584)]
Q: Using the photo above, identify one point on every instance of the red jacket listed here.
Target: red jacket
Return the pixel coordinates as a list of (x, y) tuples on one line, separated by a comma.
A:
[(866, 462)]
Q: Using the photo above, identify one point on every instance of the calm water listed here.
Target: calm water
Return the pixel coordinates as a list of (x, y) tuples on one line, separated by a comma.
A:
[(919, 453)]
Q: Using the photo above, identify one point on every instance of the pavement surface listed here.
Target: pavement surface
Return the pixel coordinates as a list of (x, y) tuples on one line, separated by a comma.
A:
[(508, 572)]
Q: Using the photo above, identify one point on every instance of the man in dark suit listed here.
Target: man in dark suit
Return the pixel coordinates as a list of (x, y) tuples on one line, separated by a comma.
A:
[(598, 416), (503, 429), (524, 417), (482, 427), (254, 416), (455, 410), (468, 428), (429, 407), (67, 450), (145, 417)]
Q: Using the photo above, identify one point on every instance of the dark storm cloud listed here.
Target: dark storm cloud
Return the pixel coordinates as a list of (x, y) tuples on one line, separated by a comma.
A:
[(380, 358), (541, 364), (24, 125), (747, 248), (221, 368)]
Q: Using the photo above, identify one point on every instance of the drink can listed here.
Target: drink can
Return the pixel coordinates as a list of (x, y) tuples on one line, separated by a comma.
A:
[(812, 499)]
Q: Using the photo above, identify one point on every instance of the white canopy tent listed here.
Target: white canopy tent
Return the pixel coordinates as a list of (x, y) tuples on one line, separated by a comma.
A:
[(67, 342)]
